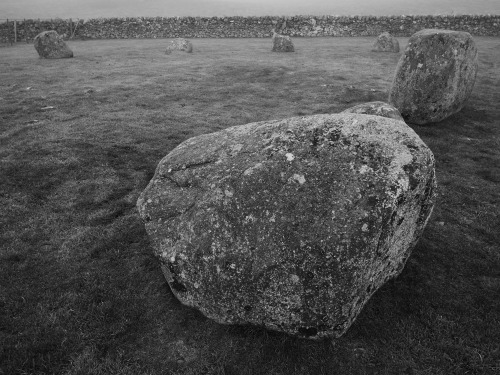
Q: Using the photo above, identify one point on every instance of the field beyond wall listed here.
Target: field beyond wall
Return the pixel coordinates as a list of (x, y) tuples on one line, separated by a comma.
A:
[(80, 138)]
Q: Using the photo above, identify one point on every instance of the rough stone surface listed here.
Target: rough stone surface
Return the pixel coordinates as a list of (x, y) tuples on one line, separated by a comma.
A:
[(385, 42), (435, 75), (282, 43), (289, 224), (50, 45), (375, 108), (179, 44)]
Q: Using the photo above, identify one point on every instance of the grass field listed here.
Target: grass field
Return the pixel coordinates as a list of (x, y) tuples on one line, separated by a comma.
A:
[(80, 291)]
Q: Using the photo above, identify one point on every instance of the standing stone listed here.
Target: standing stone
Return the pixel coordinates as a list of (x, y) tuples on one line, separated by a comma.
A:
[(50, 45), (282, 43), (435, 75), (179, 44), (385, 42), (290, 224), (375, 108)]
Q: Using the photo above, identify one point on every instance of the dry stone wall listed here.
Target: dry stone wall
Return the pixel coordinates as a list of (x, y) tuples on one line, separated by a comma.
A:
[(27, 30), (252, 27)]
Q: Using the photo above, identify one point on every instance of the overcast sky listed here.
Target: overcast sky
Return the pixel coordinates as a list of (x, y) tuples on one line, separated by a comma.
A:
[(20, 9)]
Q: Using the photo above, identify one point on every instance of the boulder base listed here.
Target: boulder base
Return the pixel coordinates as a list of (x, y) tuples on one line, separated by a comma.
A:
[(377, 109), (385, 42), (289, 224), (435, 75), (50, 45), (179, 44)]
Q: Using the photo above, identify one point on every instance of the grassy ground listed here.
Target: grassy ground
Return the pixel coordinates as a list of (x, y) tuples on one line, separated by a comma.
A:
[(81, 293)]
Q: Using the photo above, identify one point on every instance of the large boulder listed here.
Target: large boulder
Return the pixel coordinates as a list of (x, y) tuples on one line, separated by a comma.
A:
[(435, 75), (385, 42), (179, 44), (282, 43), (289, 224), (375, 108), (50, 45)]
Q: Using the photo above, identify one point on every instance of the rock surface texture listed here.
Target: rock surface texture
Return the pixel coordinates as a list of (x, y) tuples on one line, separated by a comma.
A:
[(282, 43), (385, 42), (435, 75), (289, 224), (179, 44), (375, 108), (50, 45)]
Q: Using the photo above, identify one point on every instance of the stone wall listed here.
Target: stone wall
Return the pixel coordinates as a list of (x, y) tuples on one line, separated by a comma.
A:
[(255, 27), (26, 30)]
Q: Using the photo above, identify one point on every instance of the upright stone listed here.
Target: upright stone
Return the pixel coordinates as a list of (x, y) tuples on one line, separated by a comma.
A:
[(377, 109), (179, 44), (282, 43), (50, 45), (385, 42), (290, 224), (435, 75)]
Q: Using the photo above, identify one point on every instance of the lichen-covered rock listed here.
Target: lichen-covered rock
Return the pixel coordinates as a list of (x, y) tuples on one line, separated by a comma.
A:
[(282, 43), (435, 75), (179, 44), (375, 108), (385, 42), (289, 224), (50, 45)]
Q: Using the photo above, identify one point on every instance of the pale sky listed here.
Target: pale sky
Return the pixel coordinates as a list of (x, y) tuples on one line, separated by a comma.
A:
[(20, 9)]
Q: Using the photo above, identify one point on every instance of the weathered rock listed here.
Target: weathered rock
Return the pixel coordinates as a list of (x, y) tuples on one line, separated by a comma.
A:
[(282, 43), (435, 75), (385, 42), (375, 108), (179, 44), (50, 45), (289, 224)]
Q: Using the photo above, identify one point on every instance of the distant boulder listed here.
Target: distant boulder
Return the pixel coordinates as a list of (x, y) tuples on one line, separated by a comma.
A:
[(375, 108), (435, 75), (50, 45), (282, 43), (385, 42), (179, 44), (290, 224)]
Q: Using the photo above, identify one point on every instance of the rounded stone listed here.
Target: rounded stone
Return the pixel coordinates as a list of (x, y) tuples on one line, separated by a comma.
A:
[(385, 42), (282, 43), (289, 224), (435, 75), (50, 45), (179, 44)]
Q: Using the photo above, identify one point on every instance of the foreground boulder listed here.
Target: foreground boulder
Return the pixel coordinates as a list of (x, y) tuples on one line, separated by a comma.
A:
[(385, 42), (435, 75), (50, 45), (282, 43), (289, 224), (179, 44), (375, 108)]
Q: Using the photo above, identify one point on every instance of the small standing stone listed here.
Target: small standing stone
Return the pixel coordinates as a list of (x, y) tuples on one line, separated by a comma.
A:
[(179, 44), (385, 42), (435, 75), (50, 45), (282, 43)]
